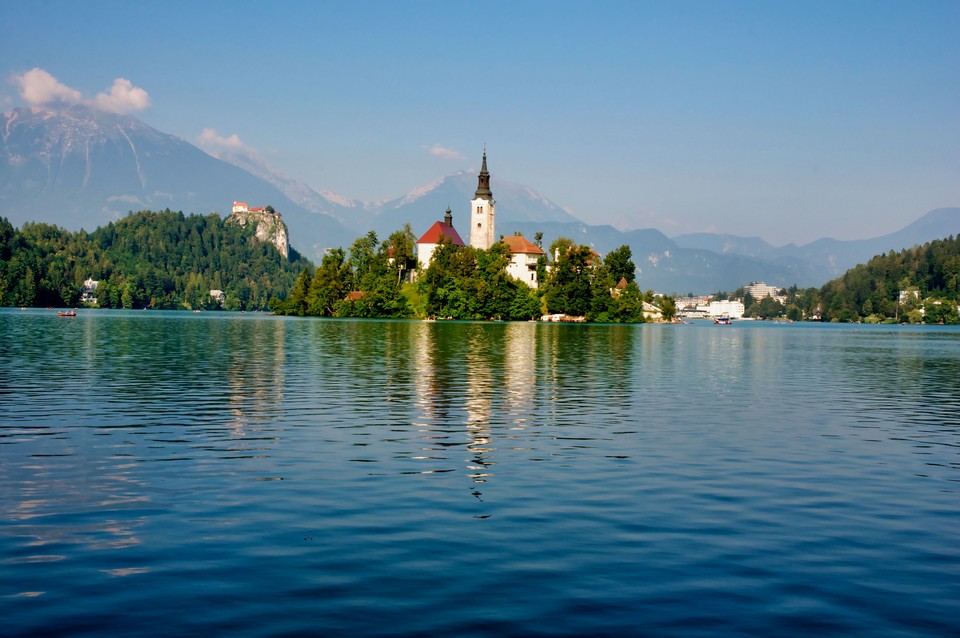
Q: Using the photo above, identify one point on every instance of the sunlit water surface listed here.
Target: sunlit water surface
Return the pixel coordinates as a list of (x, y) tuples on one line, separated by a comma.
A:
[(224, 474)]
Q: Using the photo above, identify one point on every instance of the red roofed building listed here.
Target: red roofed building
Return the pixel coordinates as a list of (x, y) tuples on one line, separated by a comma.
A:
[(523, 259), (428, 242)]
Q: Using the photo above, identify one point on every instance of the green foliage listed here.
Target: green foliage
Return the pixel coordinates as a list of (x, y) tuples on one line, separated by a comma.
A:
[(928, 275), (147, 259), (580, 283), (470, 283)]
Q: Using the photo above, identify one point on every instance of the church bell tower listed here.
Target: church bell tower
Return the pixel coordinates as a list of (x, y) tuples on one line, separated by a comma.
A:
[(482, 210)]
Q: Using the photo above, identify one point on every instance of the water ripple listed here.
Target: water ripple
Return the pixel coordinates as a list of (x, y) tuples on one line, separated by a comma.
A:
[(380, 478)]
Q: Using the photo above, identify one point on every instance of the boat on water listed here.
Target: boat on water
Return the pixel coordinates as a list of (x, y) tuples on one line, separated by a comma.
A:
[(66, 313), (723, 321)]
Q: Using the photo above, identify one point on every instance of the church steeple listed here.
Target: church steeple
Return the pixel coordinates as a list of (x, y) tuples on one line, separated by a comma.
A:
[(483, 180), (483, 224), (448, 217)]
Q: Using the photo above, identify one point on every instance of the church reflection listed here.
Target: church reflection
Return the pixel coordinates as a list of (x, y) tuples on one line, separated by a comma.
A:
[(500, 390)]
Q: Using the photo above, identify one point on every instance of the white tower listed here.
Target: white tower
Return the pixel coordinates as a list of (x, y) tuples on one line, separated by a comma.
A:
[(482, 210)]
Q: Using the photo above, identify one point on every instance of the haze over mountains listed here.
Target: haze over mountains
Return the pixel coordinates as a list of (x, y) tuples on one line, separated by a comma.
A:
[(81, 168)]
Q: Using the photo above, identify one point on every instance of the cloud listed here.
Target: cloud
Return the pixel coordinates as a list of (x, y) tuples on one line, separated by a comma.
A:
[(38, 88), (444, 153), (124, 97), (212, 141)]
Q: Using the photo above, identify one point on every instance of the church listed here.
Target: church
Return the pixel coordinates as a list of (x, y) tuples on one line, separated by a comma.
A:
[(483, 234)]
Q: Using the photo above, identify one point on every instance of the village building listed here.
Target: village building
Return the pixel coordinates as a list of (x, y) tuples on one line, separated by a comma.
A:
[(524, 256), (428, 242), (88, 295), (483, 234), (732, 309), (758, 290)]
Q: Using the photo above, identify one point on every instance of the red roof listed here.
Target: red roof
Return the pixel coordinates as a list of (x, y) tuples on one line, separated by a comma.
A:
[(519, 244), (432, 236)]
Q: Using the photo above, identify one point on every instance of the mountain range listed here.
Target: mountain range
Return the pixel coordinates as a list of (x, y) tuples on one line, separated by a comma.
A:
[(78, 167)]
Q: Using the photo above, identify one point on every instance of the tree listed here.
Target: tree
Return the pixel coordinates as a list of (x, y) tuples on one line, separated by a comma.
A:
[(620, 264), (330, 284), (296, 303), (568, 285), (400, 249), (362, 255)]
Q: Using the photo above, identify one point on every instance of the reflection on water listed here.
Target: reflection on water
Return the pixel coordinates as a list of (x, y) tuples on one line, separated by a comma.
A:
[(381, 477)]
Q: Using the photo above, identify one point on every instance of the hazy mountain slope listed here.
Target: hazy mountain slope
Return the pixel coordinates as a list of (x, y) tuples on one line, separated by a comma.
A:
[(425, 205), (80, 167), (346, 211), (825, 258)]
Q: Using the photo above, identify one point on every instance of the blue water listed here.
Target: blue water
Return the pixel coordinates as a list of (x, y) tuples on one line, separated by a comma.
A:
[(241, 474)]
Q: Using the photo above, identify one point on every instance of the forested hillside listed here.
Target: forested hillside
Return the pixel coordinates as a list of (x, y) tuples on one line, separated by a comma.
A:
[(145, 260), (920, 283), (916, 285)]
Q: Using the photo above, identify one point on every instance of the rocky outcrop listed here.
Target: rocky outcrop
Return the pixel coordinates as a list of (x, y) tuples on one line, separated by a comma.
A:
[(270, 226)]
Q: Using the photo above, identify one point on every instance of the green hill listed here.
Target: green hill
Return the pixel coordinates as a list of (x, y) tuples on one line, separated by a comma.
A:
[(145, 260), (918, 284)]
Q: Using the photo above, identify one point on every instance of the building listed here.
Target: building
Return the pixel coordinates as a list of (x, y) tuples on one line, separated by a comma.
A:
[(427, 243), (523, 259), (758, 290), (483, 227), (88, 295), (651, 312), (732, 309)]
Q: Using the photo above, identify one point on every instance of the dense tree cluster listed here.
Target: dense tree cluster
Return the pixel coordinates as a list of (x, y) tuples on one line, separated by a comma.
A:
[(369, 282), (147, 259), (928, 275), (462, 282), (916, 285), (581, 283)]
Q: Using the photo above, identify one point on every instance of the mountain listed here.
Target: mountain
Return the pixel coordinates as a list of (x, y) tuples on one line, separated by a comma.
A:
[(346, 211), (824, 259), (663, 265), (420, 207), (427, 204), (81, 167)]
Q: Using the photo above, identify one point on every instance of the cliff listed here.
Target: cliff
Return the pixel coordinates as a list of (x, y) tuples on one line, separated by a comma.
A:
[(270, 227)]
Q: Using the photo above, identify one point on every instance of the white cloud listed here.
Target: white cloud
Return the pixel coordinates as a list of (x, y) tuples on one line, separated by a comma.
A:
[(124, 97), (445, 153), (38, 87), (211, 141)]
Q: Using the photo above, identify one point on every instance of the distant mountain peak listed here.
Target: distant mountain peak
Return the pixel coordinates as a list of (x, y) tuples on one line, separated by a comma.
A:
[(421, 191), (312, 199)]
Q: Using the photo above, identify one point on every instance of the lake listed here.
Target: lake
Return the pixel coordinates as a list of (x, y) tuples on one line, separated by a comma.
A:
[(169, 473)]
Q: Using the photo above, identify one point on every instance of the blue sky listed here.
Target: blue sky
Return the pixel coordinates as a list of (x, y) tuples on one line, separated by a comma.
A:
[(787, 120)]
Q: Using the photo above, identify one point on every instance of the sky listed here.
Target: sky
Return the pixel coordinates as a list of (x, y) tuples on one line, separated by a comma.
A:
[(788, 120)]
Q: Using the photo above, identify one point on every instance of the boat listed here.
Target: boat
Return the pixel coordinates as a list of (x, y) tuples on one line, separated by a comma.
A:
[(67, 313), (723, 321)]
